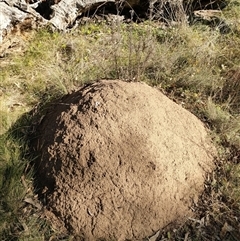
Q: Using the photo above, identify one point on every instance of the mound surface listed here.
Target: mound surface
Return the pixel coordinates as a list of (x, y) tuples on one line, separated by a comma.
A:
[(120, 160)]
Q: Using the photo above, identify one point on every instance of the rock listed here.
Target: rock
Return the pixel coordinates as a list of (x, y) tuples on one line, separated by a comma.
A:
[(119, 161)]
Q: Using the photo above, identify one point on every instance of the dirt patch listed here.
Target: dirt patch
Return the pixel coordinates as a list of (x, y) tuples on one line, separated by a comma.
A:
[(120, 161)]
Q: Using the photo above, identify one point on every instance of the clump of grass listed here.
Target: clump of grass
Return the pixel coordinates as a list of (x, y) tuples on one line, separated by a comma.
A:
[(21, 215), (12, 190), (225, 124)]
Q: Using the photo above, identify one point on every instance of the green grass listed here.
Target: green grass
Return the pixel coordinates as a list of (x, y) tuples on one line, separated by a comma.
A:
[(196, 66)]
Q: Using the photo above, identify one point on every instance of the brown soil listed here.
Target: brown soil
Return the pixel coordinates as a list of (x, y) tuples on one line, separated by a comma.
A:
[(120, 161)]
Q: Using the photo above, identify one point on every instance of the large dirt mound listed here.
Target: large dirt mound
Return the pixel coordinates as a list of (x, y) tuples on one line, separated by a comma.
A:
[(120, 160)]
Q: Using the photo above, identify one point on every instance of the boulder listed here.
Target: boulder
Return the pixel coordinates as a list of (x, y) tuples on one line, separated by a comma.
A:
[(119, 161)]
